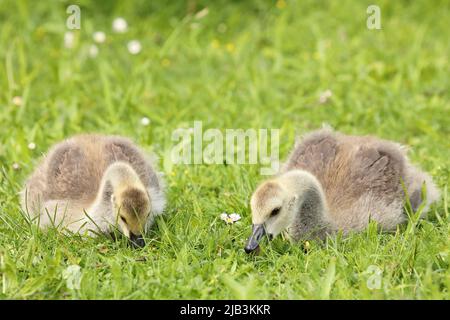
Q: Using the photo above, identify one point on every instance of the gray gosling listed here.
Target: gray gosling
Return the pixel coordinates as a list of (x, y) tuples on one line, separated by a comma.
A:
[(334, 182), (95, 184)]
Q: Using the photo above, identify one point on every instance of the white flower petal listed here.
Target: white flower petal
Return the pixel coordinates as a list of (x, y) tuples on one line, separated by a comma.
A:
[(235, 217), (31, 146), (224, 216), (120, 25), (69, 39), (99, 36), (17, 101), (134, 46), (93, 51), (145, 121)]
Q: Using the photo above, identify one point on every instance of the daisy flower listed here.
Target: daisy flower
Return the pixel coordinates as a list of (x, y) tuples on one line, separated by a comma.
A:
[(99, 36), (93, 51), (145, 121), (134, 46), (69, 39), (17, 101), (230, 218), (120, 25)]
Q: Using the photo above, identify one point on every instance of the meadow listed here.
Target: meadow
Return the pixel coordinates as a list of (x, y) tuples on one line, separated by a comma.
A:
[(290, 65)]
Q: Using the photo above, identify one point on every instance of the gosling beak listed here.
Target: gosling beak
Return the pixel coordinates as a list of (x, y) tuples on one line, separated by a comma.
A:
[(258, 232), (137, 240)]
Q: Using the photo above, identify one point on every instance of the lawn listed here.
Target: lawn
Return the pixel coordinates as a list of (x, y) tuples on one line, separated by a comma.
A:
[(238, 64)]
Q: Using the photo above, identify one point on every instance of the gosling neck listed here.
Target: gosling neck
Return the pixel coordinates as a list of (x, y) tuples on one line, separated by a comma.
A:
[(310, 210), (117, 177), (101, 210)]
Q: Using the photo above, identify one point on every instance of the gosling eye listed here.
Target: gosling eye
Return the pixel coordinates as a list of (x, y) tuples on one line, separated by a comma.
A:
[(123, 219), (275, 212)]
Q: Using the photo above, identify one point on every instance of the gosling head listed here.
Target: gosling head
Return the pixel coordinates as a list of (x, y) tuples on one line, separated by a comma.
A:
[(273, 210), (132, 206)]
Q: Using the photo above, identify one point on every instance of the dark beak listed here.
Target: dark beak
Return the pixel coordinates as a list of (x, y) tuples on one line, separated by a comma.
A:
[(258, 232), (137, 240)]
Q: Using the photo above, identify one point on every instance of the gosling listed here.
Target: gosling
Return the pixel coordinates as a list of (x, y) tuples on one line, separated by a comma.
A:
[(334, 182), (93, 184)]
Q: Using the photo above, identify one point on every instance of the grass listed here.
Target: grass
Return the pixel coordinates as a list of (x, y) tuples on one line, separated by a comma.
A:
[(252, 64)]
